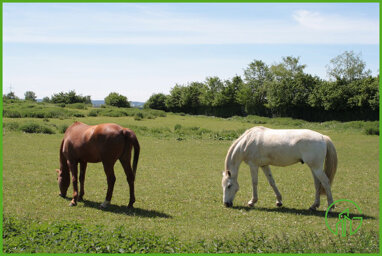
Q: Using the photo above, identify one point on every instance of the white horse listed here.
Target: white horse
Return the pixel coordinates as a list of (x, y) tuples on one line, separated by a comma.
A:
[(262, 147)]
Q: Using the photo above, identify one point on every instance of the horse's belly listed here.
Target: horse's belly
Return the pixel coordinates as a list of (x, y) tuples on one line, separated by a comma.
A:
[(279, 159)]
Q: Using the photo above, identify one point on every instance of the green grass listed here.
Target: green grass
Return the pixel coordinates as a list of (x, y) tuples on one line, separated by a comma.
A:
[(178, 189)]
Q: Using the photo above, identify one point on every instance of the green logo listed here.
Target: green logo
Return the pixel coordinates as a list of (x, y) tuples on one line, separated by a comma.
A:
[(346, 223)]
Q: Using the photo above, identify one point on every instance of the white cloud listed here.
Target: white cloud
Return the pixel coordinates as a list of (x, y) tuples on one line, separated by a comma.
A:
[(159, 26), (336, 23)]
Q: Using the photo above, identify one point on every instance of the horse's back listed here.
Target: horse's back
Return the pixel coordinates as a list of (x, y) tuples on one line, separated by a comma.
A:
[(93, 143), (282, 147)]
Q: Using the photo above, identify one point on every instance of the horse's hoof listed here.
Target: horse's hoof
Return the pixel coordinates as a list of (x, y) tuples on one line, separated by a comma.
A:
[(279, 204), (130, 206), (61, 195), (72, 204), (252, 203), (312, 208), (80, 199), (105, 204)]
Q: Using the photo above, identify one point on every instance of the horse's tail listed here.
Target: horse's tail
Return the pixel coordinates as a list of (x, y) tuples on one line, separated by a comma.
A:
[(132, 138), (330, 162)]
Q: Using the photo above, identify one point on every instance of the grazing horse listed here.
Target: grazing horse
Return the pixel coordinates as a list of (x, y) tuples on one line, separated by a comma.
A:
[(104, 143), (262, 147)]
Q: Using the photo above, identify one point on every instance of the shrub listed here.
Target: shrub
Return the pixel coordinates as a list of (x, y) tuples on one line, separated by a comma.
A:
[(93, 112), (117, 100), (11, 113), (371, 131), (138, 116), (36, 128), (13, 126), (177, 127), (62, 128)]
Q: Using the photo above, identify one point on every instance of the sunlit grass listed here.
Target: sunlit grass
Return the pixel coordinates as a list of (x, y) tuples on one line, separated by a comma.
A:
[(178, 185)]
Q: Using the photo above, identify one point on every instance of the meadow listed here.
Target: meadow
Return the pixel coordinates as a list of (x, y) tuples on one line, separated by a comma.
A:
[(178, 189)]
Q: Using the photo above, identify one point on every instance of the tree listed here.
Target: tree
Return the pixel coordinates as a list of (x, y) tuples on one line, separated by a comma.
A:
[(190, 97), (348, 67), (29, 95), (156, 101), (11, 96), (213, 86), (173, 101), (69, 98), (252, 94), (288, 92), (46, 100), (117, 100)]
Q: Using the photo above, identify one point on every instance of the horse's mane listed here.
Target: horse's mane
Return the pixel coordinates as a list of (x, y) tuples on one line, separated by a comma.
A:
[(233, 149)]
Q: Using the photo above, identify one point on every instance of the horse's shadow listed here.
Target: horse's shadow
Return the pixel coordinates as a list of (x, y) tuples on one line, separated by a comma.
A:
[(122, 209), (304, 212)]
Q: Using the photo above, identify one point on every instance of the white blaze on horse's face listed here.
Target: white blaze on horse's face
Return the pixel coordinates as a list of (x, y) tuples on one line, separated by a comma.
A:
[(230, 187)]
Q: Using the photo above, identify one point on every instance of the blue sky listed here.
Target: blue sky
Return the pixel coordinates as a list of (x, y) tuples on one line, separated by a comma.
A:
[(141, 49)]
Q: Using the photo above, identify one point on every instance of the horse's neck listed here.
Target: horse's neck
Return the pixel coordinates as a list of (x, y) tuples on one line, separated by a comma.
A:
[(233, 160)]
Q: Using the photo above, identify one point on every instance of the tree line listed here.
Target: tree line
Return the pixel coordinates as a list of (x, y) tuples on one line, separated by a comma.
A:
[(282, 90), (71, 97)]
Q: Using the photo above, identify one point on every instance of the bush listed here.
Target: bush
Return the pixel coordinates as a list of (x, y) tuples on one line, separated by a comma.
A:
[(36, 128), (12, 126), (117, 100), (138, 116), (177, 127), (62, 128), (93, 112), (11, 113), (371, 131)]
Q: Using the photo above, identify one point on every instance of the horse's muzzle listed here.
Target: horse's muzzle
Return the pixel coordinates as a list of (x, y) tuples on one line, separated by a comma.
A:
[(228, 204)]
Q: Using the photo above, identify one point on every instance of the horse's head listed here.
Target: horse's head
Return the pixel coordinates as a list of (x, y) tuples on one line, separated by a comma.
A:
[(230, 187), (63, 182)]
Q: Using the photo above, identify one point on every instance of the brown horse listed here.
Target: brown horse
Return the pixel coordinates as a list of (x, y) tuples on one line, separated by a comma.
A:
[(104, 143)]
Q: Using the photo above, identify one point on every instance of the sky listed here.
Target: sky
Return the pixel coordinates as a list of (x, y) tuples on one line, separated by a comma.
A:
[(138, 49)]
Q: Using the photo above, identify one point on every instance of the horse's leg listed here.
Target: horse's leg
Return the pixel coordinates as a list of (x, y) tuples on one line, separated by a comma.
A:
[(82, 180), (125, 161), (316, 203), (268, 174), (109, 171), (73, 166), (321, 176), (254, 173)]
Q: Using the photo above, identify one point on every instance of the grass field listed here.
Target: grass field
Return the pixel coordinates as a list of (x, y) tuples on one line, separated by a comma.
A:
[(178, 190)]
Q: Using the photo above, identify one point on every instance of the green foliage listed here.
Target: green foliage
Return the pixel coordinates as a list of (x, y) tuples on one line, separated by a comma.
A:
[(29, 95), (78, 105), (62, 128), (32, 127), (285, 90), (20, 236), (117, 100), (11, 97), (69, 98), (156, 101), (138, 116), (347, 67), (31, 109)]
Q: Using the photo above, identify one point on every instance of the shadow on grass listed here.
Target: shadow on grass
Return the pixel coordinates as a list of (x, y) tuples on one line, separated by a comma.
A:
[(305, 212), (123, 209)]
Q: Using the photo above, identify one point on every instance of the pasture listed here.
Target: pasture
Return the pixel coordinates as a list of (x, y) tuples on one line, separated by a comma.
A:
[(178, 192)]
